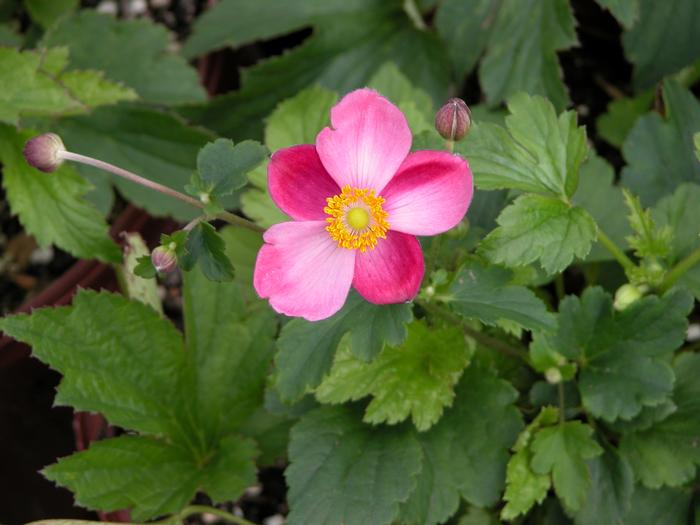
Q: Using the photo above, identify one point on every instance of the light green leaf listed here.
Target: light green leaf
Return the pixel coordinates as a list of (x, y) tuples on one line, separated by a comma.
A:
[(147, 475), (561, 451), (306, 349), (51, 206), (608, 498), (522, 50), (544, 229), (486, 293), (626, 11), (525, 487), (223, 166), (466, 26), (98, 345), (133, 286), (664, 39), (133, 52), (696, 142), (598, 195), (465, 453), (648, 240), (621, 116), (299, 119), (343, 54), (659, 152), (343, 471), (536, 151), (46, 12), (206, 249), (33, 86), (667, 452), (256, 201), (414, 379), (680, 213), (624, 357), (150, 143)]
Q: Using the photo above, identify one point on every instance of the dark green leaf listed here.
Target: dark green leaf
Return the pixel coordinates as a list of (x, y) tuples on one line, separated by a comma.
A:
[(343, 471), (621, 116), (144, 268), (486, 293), (51, 206), (206, 248), (659, 152), (626, 11), (46, 12), (133, 52), (659, 507)]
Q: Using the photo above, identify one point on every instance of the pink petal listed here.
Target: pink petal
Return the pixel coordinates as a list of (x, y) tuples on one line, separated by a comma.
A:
[(430, 193), (299, 184), (302, 270), (368, 141), (392, 271)]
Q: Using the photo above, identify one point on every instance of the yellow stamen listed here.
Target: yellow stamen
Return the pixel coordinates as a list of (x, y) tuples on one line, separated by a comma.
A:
[(357, 219)]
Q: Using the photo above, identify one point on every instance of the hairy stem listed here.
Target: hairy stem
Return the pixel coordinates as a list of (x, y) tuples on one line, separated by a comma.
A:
[(133, 177), (616, 252), (680, 269)]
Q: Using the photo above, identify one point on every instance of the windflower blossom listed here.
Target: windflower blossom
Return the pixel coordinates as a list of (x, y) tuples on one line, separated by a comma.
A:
[(358, 199)]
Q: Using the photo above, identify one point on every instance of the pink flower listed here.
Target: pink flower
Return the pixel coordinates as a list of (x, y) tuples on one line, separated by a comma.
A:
[(358, 199)]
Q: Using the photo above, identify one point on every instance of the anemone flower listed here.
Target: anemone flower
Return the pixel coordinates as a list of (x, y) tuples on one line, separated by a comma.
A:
[(358, 199)]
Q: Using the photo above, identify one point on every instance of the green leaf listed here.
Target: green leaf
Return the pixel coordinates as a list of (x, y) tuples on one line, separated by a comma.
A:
[(256, 201), (536, 151), (667, 453), (133, 52), (610, 492), (477, 516), (343, 54), (696, 142), (223, 166), (306, 349), (621, 116), (544, 229), (562, 450), (648, 240), (626, 11), (680, 213), (206, 248), (237, 22), (98, 345), (525, 487), (465, 453), (624, 357), (486, 293), (300, 118), (51, 206), (664, 39), (343, 471), (46, 12), (231, 470), (659, 507), (151, 143), (9, 36), (602, 198), (134, 286), (34, 84), (467, 27), (414, 379), (646, 418), (147, 475), (522, 50), (659, 152)]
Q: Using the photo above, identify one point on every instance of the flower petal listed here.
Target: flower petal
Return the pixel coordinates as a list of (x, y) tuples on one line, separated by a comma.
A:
[(430, 193), (392, 271), (299, 184), (368, 141), (302, 270)]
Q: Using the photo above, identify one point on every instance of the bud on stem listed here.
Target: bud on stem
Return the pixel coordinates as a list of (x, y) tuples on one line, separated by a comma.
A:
[(453, 120), (44, 152), (164, 259)]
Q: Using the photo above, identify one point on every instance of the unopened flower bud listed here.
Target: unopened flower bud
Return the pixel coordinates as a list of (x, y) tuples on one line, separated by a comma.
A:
[(553, 376), (164, 260), (453, 120), (626, 295), (43, 152)]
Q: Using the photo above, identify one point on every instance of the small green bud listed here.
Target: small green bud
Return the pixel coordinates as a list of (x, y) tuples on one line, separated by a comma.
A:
[(43, 152), (204, 198), (453, 120), (626, 295), (553, 376), (164, 259)]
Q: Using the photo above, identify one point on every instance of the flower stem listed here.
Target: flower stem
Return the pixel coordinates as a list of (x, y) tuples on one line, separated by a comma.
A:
[(679, 270), (624, 261), (480, 337), (203, 509), (411, 9), (133, 177)]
